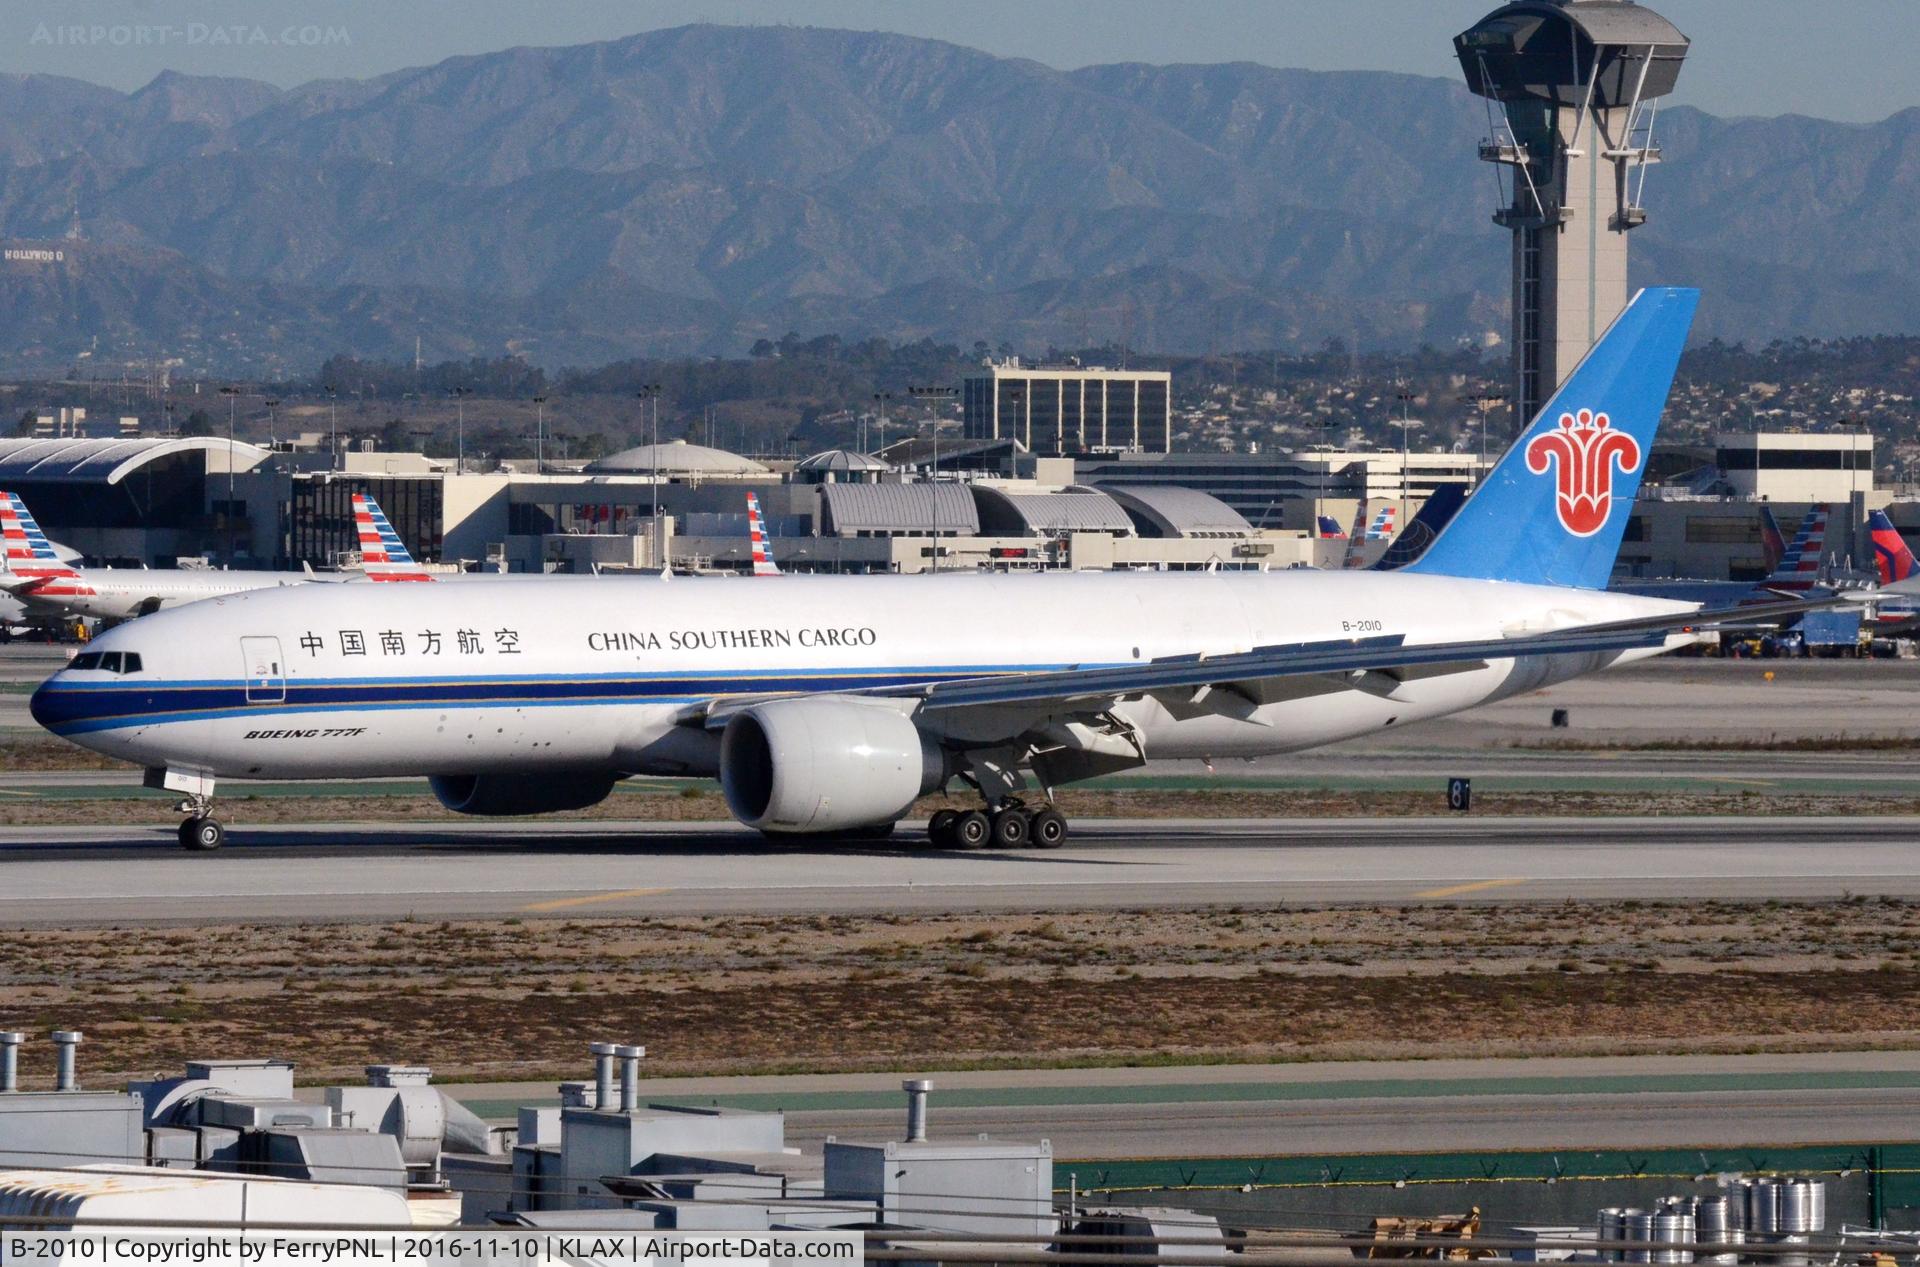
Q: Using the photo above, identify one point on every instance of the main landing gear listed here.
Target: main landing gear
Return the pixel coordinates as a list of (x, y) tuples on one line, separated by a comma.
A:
[(1010, 825), (200, 830)]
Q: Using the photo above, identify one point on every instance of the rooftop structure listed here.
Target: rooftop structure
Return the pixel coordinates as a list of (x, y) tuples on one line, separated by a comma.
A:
[(1061, 410)]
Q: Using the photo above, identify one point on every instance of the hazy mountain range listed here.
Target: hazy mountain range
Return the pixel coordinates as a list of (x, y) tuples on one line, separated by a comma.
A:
[(694, 189)]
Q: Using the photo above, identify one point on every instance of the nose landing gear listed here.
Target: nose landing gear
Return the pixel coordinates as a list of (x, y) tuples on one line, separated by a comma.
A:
[(202, 832)]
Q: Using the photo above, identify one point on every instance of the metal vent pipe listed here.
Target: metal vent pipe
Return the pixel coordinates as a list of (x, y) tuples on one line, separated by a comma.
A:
[(630, 1077), (916, 1089), (602, 1073), (10, 1041), (65, 1041)]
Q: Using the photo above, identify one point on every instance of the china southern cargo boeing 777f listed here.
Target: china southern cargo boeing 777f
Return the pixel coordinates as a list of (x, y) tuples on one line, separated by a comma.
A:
[(830, 704)]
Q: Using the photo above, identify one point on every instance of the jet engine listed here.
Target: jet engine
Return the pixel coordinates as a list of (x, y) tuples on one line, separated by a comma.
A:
[(822, 765), (496, 795)]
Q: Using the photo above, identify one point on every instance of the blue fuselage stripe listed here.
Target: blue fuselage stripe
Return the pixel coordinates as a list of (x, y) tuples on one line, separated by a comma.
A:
[(77, 708)]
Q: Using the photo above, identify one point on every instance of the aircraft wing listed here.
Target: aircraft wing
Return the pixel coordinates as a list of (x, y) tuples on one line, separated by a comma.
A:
[(1377, 665), (1370, 663)]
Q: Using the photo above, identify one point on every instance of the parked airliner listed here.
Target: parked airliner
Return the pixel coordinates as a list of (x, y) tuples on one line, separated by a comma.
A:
[(829, 704), (33, 573)]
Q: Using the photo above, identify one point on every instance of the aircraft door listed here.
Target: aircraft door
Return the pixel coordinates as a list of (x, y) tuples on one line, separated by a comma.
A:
[(266, 671)]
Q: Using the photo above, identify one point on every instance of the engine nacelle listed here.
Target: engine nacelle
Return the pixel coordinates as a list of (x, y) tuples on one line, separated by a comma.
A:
[(821, 765), (497, 795)]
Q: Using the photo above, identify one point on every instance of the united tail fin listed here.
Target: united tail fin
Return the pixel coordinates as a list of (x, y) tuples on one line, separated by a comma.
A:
[(763, 564), (1891, 557), (1435, 513), (1554, 508), (383, 556)]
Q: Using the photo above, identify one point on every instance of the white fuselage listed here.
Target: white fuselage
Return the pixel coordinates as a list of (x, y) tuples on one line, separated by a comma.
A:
[(123, 593), (601, 673)]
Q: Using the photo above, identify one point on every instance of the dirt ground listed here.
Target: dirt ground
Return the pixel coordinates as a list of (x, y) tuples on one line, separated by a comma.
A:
[(513, 999), (706, 806)]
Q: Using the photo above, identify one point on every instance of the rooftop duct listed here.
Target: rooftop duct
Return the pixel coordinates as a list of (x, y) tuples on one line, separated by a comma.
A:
[(65, 1041), (916, 1089)]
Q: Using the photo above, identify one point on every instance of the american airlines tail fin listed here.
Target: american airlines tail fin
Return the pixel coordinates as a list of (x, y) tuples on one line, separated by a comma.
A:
[(1773, 542), (1357, 537), (1799, 566), (1381, 529), (763, 564), (1553, 509), (29, 561), (1891, 557), (383, 556)]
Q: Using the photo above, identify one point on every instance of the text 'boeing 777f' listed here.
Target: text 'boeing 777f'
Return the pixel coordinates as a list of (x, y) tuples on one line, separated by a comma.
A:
[(829, 704)]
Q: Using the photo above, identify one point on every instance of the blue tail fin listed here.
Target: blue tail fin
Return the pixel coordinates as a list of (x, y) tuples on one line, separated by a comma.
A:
[(1554, 508)]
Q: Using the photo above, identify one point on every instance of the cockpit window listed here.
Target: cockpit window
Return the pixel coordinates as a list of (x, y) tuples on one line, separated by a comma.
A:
[(107, 661)]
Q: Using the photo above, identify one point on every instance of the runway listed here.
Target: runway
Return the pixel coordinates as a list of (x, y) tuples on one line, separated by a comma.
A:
[(377, 871), (1722, 1101)]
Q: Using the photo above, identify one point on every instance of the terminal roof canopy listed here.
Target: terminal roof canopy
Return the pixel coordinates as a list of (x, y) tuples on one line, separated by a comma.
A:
[(839, 460), (1167, 510), (903, 508), (676, 458), (67, 461), (1011, 514)]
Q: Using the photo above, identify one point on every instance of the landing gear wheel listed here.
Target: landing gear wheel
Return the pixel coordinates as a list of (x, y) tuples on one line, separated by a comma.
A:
[(940, 828), (1049, 829), (971, 829), (1011, 828), (202, 834)]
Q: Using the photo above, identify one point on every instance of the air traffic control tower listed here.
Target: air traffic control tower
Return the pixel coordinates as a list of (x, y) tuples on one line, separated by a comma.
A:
[(1572, 88)]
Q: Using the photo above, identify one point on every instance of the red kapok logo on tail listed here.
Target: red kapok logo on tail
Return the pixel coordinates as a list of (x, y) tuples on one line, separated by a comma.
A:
[(1585, 449)]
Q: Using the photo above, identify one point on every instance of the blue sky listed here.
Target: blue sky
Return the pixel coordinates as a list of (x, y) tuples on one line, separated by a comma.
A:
[(1844, 59)]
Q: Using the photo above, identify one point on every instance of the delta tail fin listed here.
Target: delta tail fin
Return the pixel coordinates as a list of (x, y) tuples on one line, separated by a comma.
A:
[(1891, 557), (1554, 508), (763, 564), (1330, 529), (383, 556)]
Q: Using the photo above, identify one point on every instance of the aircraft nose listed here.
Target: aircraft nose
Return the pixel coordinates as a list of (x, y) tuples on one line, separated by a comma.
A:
[(52, 703)]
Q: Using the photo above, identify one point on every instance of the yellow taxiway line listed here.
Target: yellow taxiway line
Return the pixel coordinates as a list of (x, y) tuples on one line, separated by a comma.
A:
[(1455, 890), (564, 903)]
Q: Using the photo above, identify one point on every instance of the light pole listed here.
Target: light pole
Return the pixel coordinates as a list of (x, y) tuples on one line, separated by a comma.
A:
[(936, 396), (273, 439), (539, 434), (232, 394), (881, 399), (333, 427), (460, 395), (651, 392), (1405, 398)]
